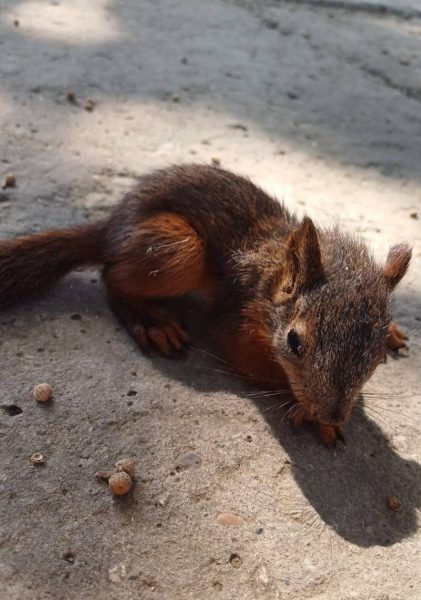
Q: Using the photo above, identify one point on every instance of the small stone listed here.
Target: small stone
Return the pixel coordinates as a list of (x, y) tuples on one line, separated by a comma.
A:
[(9, 182), (43, 392), (393, 503), (230, 520), (89, 105), (71, 97), (162, 500), (37, 458), (69, 557), (413, 215), (118, 573), (216, 161)]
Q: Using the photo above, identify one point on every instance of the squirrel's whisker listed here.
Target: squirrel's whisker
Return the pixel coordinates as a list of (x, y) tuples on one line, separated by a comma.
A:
[(289, 412), (264, 394), (277, 406), (389, 410)]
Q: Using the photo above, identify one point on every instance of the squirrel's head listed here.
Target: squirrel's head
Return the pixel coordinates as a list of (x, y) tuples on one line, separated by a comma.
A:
[(332, 316)]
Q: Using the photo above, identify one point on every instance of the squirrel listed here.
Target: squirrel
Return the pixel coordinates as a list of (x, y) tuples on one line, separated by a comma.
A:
[(292, 306)]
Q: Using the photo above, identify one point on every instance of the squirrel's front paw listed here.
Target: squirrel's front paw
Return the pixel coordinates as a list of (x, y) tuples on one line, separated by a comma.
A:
[(396, 338), (329, 435), (169, 338)]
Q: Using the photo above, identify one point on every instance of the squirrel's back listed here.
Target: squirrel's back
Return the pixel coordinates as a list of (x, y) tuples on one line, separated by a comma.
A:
[(227, 210)]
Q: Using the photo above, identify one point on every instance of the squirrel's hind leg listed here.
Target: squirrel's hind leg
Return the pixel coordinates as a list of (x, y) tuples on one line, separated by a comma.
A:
[(164, 258)]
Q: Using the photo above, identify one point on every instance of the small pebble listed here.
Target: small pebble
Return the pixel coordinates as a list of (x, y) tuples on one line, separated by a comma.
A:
[(117, 573), (89, 105), (69, 557), (37, 458), (216, 161), (393, 503), (120, 483), (9, 182), (43, 392), (71, 96), (413, 215)]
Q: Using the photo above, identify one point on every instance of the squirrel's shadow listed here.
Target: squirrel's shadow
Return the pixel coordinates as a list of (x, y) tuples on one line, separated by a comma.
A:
[(348, 487)]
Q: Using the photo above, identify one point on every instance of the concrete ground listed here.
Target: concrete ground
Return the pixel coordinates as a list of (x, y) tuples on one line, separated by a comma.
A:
[(319, 102)]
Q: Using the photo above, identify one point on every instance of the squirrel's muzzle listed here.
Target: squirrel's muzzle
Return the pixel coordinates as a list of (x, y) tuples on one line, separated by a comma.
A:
[(334, 416)]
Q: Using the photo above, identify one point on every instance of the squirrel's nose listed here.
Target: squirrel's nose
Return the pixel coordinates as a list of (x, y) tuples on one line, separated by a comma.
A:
[(334, 417)]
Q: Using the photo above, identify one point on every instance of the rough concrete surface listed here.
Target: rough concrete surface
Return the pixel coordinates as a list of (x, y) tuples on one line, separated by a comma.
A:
[(320, 105)]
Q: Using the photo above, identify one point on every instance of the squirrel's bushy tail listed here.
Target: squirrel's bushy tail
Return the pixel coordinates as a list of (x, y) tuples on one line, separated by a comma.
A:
[(31, 264)]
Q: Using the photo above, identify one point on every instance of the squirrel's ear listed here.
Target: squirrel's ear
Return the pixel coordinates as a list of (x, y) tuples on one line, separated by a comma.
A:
[(304, 250), (397, 263)]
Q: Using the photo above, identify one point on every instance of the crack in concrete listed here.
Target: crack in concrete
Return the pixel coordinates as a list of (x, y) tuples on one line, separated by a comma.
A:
[(408, 92), (358, 7)]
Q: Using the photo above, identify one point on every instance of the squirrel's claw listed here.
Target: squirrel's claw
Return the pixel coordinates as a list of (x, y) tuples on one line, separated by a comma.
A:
[(152, 328), (329, 435), (169, 338), (396, 338)]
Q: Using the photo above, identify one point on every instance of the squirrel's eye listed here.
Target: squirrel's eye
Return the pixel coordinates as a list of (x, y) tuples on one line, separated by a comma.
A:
[(294, 342)]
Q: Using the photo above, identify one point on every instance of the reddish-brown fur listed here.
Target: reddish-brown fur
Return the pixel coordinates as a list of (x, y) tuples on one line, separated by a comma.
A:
[(269, 279), (163, 257)]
